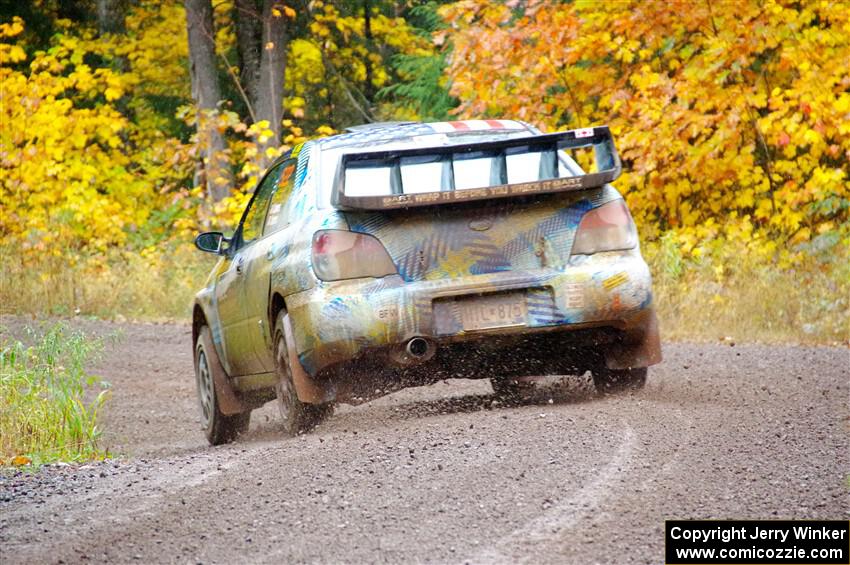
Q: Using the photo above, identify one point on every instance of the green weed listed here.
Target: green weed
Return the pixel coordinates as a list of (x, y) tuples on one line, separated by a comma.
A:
[(49, 404)]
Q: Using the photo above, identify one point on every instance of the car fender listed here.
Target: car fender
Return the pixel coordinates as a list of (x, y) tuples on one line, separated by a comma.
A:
[(204, 301)]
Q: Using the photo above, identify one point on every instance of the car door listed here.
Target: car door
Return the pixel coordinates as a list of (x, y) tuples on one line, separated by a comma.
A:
[(258, 266), (231, 287)]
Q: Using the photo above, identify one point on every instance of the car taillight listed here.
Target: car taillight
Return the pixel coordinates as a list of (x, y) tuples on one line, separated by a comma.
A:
[(339, 254), (607, 228)]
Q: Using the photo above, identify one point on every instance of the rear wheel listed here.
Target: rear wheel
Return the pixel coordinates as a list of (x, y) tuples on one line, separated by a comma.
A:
[(613, 381), (218, 427), (298, 417)]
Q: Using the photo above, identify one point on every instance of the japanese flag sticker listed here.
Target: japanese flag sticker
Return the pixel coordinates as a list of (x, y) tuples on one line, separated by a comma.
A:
[(584, 132)]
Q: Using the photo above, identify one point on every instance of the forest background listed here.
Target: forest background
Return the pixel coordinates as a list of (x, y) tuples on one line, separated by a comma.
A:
[(127, 126)]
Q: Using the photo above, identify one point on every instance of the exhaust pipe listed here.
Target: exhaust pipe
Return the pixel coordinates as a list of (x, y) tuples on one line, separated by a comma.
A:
[(417, 347), (416, 350)]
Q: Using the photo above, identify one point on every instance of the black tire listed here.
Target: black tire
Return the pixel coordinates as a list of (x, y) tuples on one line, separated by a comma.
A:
[(219, 428), (510, 389), (613, 381), (297, 417)]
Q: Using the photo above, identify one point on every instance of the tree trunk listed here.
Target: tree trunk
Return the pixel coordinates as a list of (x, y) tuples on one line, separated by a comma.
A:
[(206, 94), (110, 16), (269, 105), (369, 90), (249, 37)]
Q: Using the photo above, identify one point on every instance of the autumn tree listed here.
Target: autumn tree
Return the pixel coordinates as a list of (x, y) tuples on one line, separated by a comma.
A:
[(206, 93), (262, 44), (100, 114), (249, 43), (347, 58), (269, 94), (730, 120)]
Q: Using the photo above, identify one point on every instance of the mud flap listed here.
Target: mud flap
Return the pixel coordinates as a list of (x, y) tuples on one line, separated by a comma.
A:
[(305, 387), (641, 347), (226, 397)]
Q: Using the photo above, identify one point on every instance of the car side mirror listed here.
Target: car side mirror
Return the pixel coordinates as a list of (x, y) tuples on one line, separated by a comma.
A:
[(211, 242)]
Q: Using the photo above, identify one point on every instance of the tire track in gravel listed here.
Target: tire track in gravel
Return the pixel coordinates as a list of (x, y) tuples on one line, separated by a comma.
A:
[(550, 525)]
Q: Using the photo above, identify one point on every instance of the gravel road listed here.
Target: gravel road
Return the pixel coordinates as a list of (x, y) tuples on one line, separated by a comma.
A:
[(443, 474)]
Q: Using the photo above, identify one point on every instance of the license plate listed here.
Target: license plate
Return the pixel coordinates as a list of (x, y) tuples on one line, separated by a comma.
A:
[(494, 311)]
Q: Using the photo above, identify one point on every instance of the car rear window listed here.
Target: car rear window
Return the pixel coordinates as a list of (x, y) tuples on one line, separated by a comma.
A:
[(430, 174)]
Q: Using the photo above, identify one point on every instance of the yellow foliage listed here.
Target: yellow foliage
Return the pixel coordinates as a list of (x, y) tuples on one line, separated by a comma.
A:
[(337, 56), (76, 175)]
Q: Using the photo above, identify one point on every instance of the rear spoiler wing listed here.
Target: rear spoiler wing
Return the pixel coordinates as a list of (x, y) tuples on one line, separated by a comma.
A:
[(607, 164)]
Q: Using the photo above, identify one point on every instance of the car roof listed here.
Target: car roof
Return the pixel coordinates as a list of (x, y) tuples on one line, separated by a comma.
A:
[(389, 131)]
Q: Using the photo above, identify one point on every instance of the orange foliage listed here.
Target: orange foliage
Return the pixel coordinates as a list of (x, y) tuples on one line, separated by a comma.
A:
[(731, 118)]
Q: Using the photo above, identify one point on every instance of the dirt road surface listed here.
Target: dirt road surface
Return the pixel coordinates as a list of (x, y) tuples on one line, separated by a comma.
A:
[(442, 474)]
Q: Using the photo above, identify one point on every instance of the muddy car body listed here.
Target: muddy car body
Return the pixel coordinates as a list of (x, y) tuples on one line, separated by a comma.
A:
[(402, 254)]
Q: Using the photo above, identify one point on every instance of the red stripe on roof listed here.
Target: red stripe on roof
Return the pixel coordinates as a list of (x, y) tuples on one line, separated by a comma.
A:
[(495, 124), (460, 126)]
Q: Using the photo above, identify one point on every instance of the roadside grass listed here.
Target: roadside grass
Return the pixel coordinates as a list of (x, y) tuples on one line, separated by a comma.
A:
[(49, 403), (152, 285), (727, 291), (732, 294)]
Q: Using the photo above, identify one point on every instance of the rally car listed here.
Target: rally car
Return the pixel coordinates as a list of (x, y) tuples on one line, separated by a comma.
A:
[(400, 254)]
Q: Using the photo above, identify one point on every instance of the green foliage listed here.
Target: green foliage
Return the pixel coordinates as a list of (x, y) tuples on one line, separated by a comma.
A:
[(340, 73), (422, 86), (49, 403)]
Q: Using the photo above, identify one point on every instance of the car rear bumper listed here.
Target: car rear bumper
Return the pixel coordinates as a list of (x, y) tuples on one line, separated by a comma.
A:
[(340, 322)]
